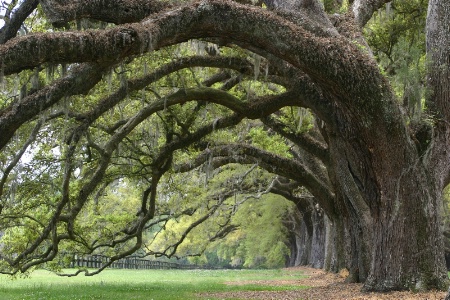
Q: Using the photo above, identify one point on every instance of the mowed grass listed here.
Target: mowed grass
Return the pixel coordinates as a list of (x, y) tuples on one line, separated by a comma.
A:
[(139, 284)]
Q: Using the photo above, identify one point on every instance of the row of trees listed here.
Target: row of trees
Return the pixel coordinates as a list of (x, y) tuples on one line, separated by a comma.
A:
[(201, 107)]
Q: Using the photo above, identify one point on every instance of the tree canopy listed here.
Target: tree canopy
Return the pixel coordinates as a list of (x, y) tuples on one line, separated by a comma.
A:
[(152, 126)]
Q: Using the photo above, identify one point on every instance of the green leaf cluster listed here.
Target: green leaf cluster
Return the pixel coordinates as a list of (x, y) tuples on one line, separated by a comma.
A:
[(260, 241), (397, 38)]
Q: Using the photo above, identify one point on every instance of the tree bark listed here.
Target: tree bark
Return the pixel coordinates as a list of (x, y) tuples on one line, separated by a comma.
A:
[(303, 244), (353, 211), (337, 254), (363, 10), (392, 204), (299, 238), (117, 11), (408, 216), (12, 26), (438, 39), (318, 238)]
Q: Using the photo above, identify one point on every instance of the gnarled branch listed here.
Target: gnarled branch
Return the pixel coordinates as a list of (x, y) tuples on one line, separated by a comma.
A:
[(10, 29)]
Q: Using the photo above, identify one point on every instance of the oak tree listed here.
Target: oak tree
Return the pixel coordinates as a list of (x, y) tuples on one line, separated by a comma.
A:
[(377, 175)]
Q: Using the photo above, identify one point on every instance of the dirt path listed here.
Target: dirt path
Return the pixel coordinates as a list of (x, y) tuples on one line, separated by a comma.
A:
[(324, 286)]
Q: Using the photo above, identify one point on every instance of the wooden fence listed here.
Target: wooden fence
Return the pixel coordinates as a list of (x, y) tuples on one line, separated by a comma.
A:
[(130, 262)]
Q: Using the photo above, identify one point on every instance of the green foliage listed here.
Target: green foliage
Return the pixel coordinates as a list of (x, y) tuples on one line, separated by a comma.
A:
[(272, 143), (260, 240), (114, 208), (251, 215), (344, 7), (36, 185), (297, 119), (396, 36)]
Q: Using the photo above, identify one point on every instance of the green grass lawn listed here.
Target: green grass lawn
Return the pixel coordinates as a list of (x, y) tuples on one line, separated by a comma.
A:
[(138, 284)]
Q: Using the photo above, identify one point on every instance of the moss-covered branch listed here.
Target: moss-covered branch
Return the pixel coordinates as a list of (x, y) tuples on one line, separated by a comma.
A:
[(12, 24)]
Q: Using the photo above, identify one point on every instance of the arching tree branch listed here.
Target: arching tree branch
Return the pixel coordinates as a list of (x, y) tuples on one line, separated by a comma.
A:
[(79, 81), (364, 9), (60, 12), (302, 140), (340, 75), (10, 29), (245, 154)]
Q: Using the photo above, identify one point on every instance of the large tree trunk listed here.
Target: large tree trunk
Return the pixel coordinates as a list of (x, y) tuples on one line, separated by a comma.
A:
[(318, 239), (408, 248), (334, 246), (390, 201), (404, 199), (354, 235), (300, 246), (303, 245), (299, 240), (438, 100)]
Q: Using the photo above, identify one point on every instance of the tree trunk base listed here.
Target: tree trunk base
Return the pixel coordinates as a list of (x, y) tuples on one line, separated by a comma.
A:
[(420, 285)]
